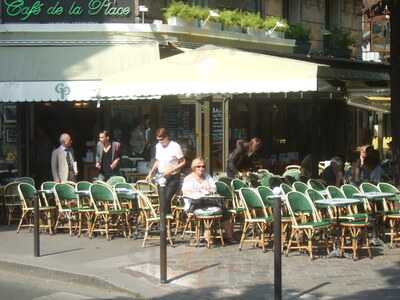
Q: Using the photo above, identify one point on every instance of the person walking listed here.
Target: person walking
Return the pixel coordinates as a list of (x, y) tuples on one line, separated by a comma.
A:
[(108, 155), (63, 164), (169, 161)]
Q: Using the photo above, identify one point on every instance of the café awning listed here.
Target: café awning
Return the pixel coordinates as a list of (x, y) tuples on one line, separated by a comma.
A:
[(67, 71), (211, 70)]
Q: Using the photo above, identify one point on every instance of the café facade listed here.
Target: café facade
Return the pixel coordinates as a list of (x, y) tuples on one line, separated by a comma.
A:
[(71, 66)]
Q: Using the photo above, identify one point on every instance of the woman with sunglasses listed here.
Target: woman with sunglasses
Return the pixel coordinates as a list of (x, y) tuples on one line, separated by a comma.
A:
[(197, 184), (195, 189)]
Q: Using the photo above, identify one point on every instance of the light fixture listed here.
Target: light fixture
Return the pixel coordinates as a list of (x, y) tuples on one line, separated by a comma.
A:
[(278, 24), (98, 104), (211, 13), (143, 9)]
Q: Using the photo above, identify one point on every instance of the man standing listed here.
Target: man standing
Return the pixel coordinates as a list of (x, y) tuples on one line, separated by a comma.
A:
[(169, 162), (63, 164), (107, 156), (244, 157)]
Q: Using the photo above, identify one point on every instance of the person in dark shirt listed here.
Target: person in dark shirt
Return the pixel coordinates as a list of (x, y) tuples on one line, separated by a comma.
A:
[(244, 157), (107, 156), (333, 174)]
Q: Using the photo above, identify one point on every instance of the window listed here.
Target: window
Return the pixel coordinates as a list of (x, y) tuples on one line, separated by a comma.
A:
[(292, 11), (332, 14)]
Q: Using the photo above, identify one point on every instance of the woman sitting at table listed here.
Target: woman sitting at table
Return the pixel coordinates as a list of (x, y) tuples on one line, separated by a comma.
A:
[(197, 184)]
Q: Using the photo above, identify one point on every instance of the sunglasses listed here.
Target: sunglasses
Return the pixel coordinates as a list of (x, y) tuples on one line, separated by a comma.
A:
[(203, 167)]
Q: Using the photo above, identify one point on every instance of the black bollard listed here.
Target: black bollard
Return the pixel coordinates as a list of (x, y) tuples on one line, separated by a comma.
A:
[(277, 249), (36, 234), (163, 232)]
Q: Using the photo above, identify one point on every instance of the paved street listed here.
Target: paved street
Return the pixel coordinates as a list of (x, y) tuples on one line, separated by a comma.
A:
[(218, 273), (15, 286)]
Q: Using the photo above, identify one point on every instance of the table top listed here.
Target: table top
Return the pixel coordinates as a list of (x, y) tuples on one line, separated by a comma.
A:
[(338, 201), (374, 195)]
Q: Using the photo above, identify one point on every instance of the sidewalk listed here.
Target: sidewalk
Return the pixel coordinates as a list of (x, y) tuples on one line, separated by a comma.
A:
[(218, 273)]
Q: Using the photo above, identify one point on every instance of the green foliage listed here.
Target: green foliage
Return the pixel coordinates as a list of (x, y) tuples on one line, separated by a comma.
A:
[(251, 20), (341, 39), (230, 17), (271, 21), (298, 32), (184, 11)]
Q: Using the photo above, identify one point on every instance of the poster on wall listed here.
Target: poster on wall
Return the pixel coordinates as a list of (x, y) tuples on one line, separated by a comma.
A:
[(380, 34), (67, 11)]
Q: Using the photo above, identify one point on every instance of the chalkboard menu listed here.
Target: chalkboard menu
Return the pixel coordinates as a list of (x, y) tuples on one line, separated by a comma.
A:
[(217, 129), (67, 11), (180, 122)]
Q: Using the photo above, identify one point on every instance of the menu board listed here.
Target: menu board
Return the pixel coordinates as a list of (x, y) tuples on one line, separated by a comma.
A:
[(180, 122)]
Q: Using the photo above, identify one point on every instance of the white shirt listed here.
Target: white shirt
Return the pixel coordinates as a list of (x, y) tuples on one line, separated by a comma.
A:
[(195, 189), (168, 156)]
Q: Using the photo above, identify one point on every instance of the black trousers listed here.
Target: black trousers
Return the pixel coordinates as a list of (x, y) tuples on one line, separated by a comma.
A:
[(171, 188)]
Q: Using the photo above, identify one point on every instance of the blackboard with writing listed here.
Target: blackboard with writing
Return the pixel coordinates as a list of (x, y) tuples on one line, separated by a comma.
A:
[(67, 11)]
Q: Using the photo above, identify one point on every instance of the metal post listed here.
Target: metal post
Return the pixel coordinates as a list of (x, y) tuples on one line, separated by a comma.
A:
[(36, 235), (163, 232), (277, 250)]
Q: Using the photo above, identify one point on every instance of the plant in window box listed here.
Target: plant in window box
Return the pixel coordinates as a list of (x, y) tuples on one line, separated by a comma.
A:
[(209, 19), (276, 26), (181, 14), (230, 20), (253, 23), (340, 43), (302, 36)]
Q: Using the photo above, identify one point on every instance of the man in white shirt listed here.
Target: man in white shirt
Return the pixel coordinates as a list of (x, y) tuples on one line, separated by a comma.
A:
[(169, 162)]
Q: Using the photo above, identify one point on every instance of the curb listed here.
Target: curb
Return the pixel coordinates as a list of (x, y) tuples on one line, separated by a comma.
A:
[(75, 278)]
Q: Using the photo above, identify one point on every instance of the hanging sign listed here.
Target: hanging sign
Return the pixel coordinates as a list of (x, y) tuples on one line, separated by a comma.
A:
[(67, 11)]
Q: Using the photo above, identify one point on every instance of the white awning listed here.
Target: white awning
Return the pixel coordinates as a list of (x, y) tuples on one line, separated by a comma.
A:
[(67, 73), (213, 70)]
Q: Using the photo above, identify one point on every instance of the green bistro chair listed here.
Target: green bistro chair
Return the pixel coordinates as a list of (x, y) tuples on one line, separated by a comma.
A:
[(25, 179), (316, 185), (85, 210), (286, 221), (300, 186), (113, 180), (379, 206), (257, 221), (285, 188), (233, 206), (27, 194), (152, 218), (306, 224), (225, 180), (109, 216), (294, 173), (48, 197), (237, 184), (264, 181), (68, 211), (128, 201), (322, 209), (12, 202), (393, 216)]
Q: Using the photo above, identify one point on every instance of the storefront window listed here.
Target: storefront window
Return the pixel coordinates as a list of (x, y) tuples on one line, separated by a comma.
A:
[(8, 140)]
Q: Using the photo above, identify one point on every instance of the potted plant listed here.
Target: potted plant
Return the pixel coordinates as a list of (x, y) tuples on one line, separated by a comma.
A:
[(340, 43), (230, 20), (209, 19), (302, 36), (181, 14), (275, 26), (252, 23)]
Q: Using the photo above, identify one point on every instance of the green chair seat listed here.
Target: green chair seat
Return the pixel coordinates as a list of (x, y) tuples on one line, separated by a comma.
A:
[(266, 219), (323, 223), (237, 210), (360, 216), (157, 219), (355, 223)]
